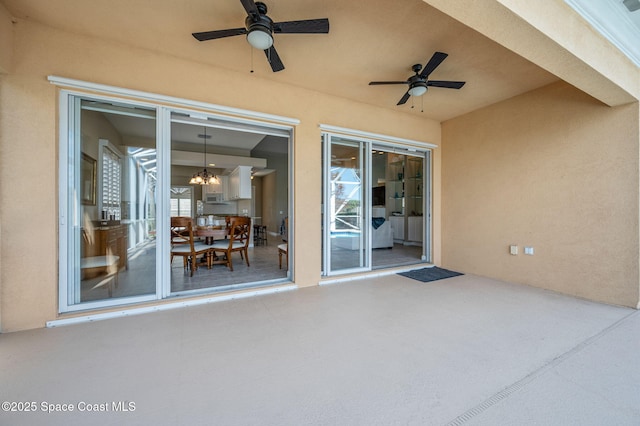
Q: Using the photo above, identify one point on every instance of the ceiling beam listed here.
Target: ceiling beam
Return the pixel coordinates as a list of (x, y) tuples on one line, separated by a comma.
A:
[(557, 39), (196, 159)]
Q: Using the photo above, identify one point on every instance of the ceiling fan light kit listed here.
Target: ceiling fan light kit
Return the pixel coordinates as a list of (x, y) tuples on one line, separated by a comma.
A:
[(260, 38), (418, 89)]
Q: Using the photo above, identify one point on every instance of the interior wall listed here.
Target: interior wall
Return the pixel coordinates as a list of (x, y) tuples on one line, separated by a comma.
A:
[(555, 170), (269, 204), (28, 108), (275, 210), (256, 183)]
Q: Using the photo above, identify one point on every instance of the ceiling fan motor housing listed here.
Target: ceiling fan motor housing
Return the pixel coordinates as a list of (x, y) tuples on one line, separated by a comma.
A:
[(262, 8), (417, 81), (263, 23)]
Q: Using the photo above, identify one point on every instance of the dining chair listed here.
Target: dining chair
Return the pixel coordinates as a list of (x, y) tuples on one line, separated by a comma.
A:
[(283, 249), (229, 219), (238, 240), (183, 244)]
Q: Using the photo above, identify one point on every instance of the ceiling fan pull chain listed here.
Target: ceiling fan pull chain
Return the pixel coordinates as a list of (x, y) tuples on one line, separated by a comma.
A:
[(251, 50), (421, 103)]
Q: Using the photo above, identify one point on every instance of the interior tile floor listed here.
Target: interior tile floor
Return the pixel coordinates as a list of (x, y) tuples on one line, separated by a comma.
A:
[(377, 351), (139, 278)]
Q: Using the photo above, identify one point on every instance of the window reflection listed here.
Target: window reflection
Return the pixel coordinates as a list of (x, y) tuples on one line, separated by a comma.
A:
[(116, 235)]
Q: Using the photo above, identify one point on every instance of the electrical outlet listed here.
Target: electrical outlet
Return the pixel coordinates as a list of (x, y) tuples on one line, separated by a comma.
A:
[(513, 249)]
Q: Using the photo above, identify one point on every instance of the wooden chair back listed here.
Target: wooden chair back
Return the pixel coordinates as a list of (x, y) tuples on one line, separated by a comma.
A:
[(239, 230), (181, 231), (285, 237), (283, 249), (229, 219)]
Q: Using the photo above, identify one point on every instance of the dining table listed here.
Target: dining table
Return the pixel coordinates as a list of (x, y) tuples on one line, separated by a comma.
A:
[(211, 233)]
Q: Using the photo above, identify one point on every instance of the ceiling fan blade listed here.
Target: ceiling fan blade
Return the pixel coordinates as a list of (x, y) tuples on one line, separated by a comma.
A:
[(446, 84), (433, 63), (373, 83), (310, 26), (210, 35), (274, 59), (251, 8), (404, 99)]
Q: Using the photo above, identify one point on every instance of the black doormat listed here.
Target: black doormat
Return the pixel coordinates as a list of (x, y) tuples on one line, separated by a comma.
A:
[(430, 274)]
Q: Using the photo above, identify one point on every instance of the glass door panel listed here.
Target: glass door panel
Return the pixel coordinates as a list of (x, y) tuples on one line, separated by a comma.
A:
[(198, 144), (398, 205), (347, 235), (112, 205), (415, 200)]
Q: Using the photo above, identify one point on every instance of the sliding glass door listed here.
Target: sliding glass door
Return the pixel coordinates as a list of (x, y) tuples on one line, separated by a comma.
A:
[(126, 168), (377, 204)]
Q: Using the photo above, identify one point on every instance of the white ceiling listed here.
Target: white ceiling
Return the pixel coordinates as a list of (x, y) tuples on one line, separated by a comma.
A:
[(372, 40), (184, 135), (227, 144)]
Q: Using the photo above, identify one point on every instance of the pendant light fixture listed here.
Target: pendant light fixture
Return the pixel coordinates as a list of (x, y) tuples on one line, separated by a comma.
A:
[(203, 177)]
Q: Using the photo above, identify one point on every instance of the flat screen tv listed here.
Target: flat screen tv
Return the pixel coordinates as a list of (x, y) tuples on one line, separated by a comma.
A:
[(378, 196)]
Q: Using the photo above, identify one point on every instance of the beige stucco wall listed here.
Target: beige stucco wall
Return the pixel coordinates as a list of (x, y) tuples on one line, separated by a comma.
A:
[(553, 169), (6, 40), (28, 119), (6, 60)]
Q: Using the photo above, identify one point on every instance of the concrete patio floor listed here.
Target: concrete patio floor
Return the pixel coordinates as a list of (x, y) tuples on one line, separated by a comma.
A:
[(382, 351)]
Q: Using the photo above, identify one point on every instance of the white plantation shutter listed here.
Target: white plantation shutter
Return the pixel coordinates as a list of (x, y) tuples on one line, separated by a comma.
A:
[(180, 201), (111, 182)]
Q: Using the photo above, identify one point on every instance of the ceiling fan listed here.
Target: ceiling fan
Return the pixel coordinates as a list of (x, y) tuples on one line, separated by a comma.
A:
[(418, 83), (259, 29)]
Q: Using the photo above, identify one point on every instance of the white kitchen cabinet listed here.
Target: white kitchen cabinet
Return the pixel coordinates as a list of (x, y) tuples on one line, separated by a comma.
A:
[(414, 231), (217, 188), (397, 224), (240, 183)]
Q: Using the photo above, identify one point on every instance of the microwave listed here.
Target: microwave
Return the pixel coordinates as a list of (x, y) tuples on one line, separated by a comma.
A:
[(215, 198)]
